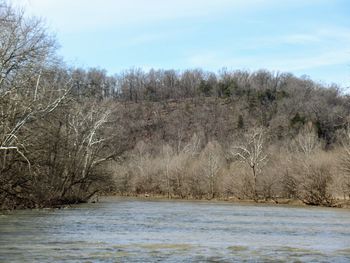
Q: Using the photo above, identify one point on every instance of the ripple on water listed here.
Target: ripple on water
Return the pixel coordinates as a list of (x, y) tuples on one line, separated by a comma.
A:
[(144, 231)]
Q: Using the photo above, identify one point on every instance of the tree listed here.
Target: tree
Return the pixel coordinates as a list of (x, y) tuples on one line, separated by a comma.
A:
[(84, 143), (307, 141), (167, 153), (31, 87), (345, 162), (24, 50), (251, 151), (316, 179), (240, 122), (211, 163), (205, 87), (25, 47)]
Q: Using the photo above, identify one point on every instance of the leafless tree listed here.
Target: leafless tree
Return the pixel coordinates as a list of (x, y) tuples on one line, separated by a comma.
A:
[(345, 162), (252, 152), (307, 140), (31, 87), (167, 153), (211, 163)]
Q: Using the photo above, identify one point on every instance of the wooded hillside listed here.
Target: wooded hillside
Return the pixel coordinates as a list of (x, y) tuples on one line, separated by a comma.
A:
[(67, 134)]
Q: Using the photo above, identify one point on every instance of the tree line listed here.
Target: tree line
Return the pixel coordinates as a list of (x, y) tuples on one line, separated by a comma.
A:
[(68, 134)]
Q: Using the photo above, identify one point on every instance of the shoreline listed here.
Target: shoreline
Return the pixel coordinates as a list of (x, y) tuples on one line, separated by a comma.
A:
[(283, 202), (339, 204)]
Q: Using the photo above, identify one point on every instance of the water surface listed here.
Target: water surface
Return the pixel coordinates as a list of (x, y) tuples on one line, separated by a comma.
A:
[(125, 230)]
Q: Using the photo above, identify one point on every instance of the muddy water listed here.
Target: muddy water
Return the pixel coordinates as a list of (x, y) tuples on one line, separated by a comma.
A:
[(124, 230)]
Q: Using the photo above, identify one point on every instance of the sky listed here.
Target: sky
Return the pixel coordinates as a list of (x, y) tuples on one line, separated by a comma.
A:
[(303, 37)]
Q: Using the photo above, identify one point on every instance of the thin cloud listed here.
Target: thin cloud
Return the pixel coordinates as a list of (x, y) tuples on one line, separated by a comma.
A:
[(284, 63), (209, 34), (82, 15), (329, 46)]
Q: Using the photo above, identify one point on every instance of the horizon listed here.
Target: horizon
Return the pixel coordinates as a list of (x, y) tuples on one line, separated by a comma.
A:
[(306, 39)]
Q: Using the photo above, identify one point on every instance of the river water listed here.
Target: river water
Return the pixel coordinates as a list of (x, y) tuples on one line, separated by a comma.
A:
[(126, 230)]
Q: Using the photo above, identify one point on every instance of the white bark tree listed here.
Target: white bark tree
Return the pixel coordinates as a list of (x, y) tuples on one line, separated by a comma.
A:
[(85, 140), (252, 152), (31, 88), (25, 49)]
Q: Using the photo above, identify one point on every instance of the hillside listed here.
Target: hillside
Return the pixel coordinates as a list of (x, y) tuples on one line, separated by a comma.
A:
[(68, 134)]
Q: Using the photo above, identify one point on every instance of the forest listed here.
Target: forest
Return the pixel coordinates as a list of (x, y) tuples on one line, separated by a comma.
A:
[(69, 134)]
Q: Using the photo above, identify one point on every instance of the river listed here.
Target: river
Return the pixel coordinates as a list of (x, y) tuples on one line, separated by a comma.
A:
[(127, 230)]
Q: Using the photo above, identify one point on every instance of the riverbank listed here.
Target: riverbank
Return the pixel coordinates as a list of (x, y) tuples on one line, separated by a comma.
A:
[(283, 202), (338, 203)]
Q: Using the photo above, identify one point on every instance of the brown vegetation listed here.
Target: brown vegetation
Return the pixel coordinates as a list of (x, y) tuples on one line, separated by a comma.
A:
[(68, 134), (211, 172)]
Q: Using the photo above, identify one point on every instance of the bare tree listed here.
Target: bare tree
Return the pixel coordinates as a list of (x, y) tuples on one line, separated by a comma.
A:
[(345, 162), (307, 140), (83, 142), (315, 181), (24, 49), (32, 86), (211, 163), (167, 153), (24, 45), (252, 152)]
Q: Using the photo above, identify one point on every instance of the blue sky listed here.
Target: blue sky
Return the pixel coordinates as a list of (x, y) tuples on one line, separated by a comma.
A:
[(305, 37)]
